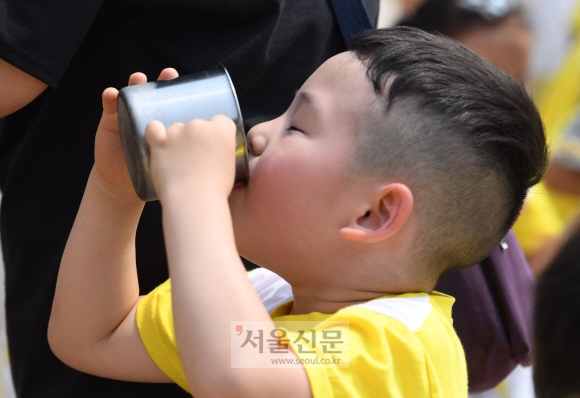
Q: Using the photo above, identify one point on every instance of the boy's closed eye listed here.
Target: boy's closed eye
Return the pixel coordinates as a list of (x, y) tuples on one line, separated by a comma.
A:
[(292, 128)]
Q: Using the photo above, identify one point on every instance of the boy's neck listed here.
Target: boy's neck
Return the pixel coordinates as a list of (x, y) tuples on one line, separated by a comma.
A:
[(328, 300), (307, 305)]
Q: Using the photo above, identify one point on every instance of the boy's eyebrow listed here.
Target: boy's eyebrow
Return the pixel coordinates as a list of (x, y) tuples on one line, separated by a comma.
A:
[(304, 96), (307, 98)]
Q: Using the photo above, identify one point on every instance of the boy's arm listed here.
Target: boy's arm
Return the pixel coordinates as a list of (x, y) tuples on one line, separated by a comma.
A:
[(193, 171), (92, 326)]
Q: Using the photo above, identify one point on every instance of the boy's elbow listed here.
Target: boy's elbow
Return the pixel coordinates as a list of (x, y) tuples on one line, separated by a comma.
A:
[(56, 341), (63, 345)]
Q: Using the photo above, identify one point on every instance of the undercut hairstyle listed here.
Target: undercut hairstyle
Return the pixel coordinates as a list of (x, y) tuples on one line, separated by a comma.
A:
[(556, 324), (463, 135)]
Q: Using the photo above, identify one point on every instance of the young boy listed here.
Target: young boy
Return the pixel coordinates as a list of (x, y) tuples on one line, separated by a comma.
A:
[(398, 160)]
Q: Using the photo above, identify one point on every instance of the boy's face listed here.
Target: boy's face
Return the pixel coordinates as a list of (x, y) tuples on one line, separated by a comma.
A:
[(301, 192)]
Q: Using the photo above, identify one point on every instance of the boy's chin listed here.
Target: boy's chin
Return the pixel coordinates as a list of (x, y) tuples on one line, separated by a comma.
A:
[(236, 193)]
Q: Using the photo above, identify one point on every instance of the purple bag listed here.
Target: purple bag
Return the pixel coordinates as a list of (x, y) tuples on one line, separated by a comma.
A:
[(492, 313)]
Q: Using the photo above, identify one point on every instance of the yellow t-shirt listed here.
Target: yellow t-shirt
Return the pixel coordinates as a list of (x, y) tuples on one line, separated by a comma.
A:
[(399, 346)]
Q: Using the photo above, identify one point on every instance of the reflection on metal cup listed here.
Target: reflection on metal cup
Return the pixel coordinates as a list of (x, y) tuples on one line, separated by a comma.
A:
[(198, 96)]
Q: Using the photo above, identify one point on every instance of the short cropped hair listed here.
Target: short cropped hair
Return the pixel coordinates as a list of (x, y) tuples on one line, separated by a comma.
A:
[(556, 325), (464, 135)]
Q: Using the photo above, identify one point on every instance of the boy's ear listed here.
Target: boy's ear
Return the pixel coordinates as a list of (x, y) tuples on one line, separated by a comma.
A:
[(386, 215)]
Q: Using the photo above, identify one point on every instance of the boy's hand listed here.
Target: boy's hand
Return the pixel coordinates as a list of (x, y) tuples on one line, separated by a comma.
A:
[(193, 157), (110, 165)]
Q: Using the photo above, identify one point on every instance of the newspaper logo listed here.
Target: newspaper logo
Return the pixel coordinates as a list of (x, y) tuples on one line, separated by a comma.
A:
[(256, 344)]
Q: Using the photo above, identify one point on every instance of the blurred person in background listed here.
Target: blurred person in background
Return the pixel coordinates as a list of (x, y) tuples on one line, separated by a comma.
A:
[(494, 29), (557, 94), (557, 321), (392, 12)]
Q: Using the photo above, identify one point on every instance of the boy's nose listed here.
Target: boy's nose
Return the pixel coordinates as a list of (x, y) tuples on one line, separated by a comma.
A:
[(256, 141)]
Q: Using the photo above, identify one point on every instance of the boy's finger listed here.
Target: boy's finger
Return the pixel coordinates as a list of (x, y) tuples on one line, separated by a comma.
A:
[(137, 78), (155, 133), (110, 100), (168, 74), (224, 122)]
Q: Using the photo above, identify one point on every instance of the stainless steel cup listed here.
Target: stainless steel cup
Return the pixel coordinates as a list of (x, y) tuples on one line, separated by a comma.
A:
[(197, 96)]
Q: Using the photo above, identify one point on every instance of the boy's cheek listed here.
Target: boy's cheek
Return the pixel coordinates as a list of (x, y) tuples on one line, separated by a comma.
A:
[(274, 183)]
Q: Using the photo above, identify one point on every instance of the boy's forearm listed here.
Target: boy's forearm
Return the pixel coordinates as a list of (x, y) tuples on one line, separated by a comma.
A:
[(97, 284), (210, 289)]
